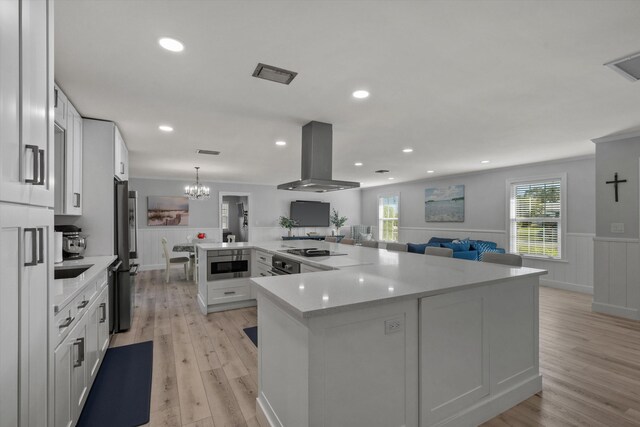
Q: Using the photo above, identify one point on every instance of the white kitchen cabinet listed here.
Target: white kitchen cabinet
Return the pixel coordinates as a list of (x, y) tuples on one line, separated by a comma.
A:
[(97, 330), (103, 323), (79, 355), (121, 164), (26, 269), (26, 97), (77, 339), (68, 161), (60, 105)]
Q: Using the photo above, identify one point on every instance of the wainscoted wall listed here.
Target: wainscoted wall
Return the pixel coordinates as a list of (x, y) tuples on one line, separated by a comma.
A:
[(617, 273), (573, 274)]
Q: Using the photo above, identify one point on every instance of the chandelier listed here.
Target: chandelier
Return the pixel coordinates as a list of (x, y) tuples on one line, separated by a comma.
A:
[(196, 191)]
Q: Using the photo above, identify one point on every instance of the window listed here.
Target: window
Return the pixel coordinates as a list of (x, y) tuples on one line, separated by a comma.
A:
[(224, 215), (537, 211), (388, 215)]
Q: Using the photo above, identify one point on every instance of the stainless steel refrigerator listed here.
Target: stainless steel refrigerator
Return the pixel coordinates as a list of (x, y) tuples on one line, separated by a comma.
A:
[(121, 291)]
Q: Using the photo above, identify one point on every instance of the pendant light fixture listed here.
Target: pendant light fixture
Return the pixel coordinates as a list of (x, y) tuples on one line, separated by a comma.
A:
[(197, 191)]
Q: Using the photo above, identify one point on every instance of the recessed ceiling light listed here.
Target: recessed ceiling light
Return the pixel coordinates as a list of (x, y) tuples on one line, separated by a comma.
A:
[(391, 177), (357, 164), (430, 171), (360, 94), (170, 44), (165, 128), (408, 150), (484, 162), (281, 143)]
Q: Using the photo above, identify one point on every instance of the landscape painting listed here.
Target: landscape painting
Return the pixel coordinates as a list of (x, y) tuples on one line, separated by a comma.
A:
[(445, 204), (167, 210)]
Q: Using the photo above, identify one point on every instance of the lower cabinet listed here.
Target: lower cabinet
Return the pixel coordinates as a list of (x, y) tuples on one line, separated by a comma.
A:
[(77, 360)]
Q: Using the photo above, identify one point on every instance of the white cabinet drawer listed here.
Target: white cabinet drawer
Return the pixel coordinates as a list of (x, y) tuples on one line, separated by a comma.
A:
[(264, 258), (262, 271), (224, 295)]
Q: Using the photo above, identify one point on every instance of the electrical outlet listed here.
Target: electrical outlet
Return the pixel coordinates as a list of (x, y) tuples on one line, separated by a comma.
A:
[(617, 227), (392, 325)]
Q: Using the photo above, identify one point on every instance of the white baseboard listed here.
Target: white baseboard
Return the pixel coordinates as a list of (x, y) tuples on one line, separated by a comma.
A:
[(574, 287), (616, 310)]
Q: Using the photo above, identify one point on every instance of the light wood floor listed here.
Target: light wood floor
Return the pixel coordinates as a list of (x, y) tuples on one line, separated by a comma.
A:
[(205, 368)]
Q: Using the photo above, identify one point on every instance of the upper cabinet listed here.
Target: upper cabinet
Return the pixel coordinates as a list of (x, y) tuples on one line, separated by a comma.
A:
[(121, 170), (26, 131), (68, 158)]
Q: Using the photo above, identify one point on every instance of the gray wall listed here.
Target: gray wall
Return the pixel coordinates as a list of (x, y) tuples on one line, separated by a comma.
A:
[(266, 204), (485, 196), (622, 157)]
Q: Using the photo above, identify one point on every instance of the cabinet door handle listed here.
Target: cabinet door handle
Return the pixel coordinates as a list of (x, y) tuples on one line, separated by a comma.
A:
[(103, 306), (55, 98), (42, 164), (76, 204), (34, 246), (40, 245), (230, 292), (263, 258), (122, 168), (83, 304), (66, 323), (35, 150), (80, 344)]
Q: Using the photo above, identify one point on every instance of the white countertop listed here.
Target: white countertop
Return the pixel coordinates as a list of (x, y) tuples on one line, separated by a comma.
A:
[(369, 276), (65, 290)]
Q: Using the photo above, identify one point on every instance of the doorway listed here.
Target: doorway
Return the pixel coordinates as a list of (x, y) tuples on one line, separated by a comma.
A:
[(234, 216)]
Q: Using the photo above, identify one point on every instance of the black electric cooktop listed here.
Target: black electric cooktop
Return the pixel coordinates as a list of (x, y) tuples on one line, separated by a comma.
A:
[(311, 252)]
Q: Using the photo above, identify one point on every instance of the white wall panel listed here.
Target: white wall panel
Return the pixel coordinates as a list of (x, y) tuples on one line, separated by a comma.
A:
[(617, 271)]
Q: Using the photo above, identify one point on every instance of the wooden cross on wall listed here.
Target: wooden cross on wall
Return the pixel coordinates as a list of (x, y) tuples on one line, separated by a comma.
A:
[(615, 183)]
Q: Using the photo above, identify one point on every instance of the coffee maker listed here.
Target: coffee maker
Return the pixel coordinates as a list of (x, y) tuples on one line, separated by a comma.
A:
[(73, 243)]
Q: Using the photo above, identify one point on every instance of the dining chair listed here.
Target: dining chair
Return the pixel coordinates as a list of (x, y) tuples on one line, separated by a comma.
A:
[(505, 259), (331, 239), (397, 247), (347, 241), (370, 244), (173, 261), (443, 252)]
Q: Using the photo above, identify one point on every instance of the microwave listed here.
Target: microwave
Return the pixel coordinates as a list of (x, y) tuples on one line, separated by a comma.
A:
[(228, 264)]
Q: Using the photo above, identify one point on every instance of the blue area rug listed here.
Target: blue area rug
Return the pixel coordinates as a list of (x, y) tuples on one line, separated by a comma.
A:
[(252, 333), (121, 393)]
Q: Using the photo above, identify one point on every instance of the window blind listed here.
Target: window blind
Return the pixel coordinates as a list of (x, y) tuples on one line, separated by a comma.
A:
[(388, 216), (536, 218)]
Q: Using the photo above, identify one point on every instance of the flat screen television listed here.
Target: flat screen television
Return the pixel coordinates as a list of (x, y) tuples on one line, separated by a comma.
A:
[(310, 214)]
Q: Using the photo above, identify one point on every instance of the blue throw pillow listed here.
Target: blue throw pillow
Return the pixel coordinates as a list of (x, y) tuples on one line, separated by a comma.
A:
[(457, 247), (417, 248), (483, 245), (470, 255)]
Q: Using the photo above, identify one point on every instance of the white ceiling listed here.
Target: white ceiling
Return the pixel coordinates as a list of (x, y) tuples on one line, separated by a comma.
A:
[(459, 82)]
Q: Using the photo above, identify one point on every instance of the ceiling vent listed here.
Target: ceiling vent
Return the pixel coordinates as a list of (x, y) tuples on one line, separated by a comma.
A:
[(382, 171), (274, 74), (628, 67), (209, 152)]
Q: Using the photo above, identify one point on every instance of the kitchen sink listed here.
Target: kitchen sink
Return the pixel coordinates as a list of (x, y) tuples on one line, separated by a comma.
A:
[(70, 272)]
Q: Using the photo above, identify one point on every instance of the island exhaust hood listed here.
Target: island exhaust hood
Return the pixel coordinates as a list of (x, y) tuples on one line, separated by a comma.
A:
[(317, 152)]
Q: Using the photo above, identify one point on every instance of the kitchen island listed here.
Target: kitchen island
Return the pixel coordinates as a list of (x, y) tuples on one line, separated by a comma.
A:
[(395, 339)]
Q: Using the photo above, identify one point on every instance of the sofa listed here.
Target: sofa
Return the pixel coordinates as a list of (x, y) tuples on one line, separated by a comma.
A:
[(462, 248)]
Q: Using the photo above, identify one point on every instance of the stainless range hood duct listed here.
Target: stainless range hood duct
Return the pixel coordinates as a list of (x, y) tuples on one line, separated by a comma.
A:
[(317, 154)]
